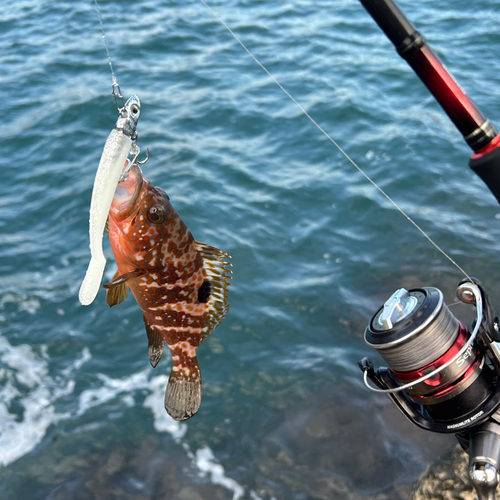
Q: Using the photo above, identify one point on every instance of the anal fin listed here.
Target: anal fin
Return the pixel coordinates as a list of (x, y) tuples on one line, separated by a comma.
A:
[(155, 343), (183, 394)]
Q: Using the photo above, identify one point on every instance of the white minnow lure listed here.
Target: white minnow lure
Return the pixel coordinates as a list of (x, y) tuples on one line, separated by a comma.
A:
[(108, 173)]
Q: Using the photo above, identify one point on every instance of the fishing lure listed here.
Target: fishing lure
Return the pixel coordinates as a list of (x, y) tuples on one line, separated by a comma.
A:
[(180, 284), (114, 155)]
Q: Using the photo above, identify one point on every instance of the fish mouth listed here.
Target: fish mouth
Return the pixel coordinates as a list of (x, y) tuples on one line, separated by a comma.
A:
[(127, 193)]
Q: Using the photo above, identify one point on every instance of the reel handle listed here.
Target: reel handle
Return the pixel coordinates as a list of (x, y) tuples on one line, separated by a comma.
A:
[(484, 459)]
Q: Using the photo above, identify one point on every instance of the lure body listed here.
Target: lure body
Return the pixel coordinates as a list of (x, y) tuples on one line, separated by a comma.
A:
[(179, 283), (110, 167)]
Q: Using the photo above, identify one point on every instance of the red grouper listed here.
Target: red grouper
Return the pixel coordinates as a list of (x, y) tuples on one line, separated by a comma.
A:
[(180, 284)]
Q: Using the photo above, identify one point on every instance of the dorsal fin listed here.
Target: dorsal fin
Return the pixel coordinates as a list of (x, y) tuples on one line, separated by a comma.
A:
[(215, 288)]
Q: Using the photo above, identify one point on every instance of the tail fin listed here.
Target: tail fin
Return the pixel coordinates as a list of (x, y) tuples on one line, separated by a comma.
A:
[(183, 394)]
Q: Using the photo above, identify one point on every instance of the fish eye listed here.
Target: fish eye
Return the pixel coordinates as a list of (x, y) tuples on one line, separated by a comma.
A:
[(156, 214), (135, 110)]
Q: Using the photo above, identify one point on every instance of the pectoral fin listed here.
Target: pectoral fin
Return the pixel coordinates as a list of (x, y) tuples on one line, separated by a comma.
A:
[(117, 288), (155, 343)]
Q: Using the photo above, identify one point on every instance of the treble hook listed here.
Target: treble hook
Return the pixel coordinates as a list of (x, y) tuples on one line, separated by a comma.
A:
[(145, 159), (136, 151), (135, 159)]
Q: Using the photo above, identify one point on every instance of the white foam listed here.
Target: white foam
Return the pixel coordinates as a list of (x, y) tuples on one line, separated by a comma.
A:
[(25, 303), (205, 461), (111, 388), (27, 380), (86, 356), (78, 363), (163, 422)]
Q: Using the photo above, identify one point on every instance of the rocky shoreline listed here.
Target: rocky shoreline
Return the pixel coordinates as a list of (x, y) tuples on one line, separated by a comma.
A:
[(446, 478)]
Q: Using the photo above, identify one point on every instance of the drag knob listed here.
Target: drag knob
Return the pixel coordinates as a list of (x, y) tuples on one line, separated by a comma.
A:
[(399, 305)]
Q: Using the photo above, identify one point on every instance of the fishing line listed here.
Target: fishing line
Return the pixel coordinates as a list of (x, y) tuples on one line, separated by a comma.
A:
[(366, 176), (114, 82)]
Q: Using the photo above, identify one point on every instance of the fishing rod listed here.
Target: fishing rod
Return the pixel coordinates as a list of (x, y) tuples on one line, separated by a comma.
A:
[(477, 130), (443, 376)]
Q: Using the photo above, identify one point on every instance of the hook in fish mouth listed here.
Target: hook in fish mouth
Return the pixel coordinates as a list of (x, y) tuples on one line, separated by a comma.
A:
[(127, 194), (136, 150)]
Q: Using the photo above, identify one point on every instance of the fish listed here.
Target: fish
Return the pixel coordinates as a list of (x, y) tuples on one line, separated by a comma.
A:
[(180, 284), (114, 154)]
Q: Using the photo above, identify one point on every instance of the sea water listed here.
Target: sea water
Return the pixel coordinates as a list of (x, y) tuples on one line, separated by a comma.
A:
[(315, 248)]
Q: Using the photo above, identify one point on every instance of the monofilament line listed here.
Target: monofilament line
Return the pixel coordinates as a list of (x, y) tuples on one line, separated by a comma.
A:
[(105, 43), (365, 175), (114, 82)]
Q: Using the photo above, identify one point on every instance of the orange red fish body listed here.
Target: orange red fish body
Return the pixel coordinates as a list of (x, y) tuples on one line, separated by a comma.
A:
[(179, 283)]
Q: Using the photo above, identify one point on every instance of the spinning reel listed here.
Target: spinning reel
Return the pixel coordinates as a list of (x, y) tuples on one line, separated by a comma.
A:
[(442, 376)]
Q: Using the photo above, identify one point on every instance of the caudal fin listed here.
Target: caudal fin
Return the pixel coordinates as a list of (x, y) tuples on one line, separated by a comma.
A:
[(183, 394)]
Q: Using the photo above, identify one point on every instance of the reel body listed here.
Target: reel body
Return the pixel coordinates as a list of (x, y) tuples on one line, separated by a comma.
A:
[(417, 334), (441, 376)]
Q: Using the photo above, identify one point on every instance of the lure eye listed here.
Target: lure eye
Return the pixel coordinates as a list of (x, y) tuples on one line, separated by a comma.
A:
[(156, 214)]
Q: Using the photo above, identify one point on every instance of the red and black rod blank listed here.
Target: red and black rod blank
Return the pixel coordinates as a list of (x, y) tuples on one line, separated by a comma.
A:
[(477, 130)]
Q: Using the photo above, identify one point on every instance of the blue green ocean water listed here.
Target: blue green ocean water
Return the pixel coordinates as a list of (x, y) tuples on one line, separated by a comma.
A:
[(315, 248)]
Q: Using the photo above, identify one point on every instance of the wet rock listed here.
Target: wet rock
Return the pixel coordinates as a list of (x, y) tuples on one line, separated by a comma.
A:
[(202, 492), (333, 450), (134, 472), (446, 478)]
